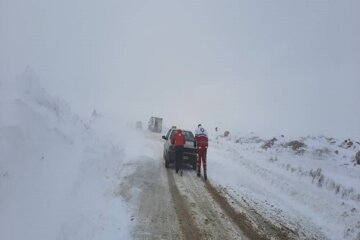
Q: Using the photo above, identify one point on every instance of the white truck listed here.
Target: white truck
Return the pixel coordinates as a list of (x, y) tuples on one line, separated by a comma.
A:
[(155, 124)]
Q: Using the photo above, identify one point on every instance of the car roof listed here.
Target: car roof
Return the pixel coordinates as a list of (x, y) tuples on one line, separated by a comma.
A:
[(175, 129)]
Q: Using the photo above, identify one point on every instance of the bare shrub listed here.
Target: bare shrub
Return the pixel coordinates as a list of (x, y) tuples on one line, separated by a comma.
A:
[(255, 139), (315, 173), (321, 152), (273, 159), (296, 146), (337, 188), (331, 141), (357, 197), (269, 143), (357, 157), (321, 180), (288, 167), (346, 192), (347, 143)]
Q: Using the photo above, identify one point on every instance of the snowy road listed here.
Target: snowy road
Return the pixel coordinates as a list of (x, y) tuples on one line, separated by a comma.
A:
[(173, 207), (165, 205)]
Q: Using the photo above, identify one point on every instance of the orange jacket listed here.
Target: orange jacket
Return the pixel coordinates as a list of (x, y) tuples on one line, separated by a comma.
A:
[(178, 138)]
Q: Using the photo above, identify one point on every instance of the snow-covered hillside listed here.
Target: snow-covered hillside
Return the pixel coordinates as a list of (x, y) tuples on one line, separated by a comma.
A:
[(310, 183), (62, 177), (58, 173)]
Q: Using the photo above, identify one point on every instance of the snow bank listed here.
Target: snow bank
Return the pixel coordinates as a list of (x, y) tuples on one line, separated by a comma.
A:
[(58, 173), (311, 181)]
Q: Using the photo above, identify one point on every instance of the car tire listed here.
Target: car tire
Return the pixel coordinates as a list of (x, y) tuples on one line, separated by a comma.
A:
[(194, 165)]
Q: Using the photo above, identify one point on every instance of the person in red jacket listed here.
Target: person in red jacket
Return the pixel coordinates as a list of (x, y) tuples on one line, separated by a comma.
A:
[(179, 140), (201, 138)]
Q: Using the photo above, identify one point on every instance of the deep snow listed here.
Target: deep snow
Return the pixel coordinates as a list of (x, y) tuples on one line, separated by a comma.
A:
[(313, 188), (58, 173)]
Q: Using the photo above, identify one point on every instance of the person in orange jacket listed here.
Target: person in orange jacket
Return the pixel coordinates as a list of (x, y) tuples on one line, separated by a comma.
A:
[(179, 140)]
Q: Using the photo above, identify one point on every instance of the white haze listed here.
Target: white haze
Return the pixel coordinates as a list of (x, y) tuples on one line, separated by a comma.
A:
[(276, 67)]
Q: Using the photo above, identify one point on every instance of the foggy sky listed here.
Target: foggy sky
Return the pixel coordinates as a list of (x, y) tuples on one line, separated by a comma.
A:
[(274, 67)]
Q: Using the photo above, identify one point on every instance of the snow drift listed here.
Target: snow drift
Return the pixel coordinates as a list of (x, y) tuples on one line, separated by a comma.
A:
[(57, 171)]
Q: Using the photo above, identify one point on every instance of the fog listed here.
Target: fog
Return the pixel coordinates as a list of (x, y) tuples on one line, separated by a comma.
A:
[(273, 67)]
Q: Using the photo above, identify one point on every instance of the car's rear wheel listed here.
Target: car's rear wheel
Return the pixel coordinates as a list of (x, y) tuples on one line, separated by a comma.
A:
[(194, 165), (167, 163)]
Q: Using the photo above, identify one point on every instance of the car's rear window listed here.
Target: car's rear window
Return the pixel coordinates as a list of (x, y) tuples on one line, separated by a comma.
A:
[(188, 135)]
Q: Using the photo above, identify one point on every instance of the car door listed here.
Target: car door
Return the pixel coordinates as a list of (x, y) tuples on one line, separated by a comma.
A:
[(167, 142)]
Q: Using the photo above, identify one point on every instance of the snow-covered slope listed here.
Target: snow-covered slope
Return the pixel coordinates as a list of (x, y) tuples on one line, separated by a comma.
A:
[(58, 173), (309, 184)]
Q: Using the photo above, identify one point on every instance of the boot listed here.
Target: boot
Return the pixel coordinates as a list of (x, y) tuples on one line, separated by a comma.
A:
[(181, 172), (198, 174), (205, 176)]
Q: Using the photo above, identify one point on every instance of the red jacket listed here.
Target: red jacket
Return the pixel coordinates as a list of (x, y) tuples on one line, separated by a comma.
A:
[(178, 139)]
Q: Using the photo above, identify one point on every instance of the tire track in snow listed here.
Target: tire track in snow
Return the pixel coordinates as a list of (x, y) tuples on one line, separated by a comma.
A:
[(252, 224), (187, 224), (204, 212), (146, 190)]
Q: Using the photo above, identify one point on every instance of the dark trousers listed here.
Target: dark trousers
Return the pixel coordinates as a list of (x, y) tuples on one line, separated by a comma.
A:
[(179, 157)]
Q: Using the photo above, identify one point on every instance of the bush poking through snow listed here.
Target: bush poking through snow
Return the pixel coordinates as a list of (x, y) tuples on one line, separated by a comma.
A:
[(296, 146), (322, 152), (331, 140), (317, 175), (273, 159), (269, 143), (319, 178), (357, 157), (346, 144)]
